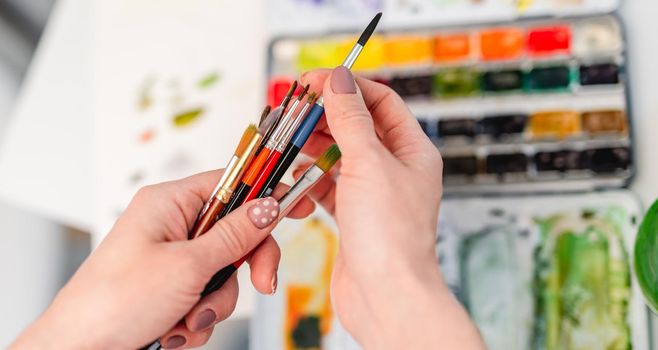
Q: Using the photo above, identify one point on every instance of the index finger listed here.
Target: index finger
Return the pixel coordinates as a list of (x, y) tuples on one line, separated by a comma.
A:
[(395, 124)]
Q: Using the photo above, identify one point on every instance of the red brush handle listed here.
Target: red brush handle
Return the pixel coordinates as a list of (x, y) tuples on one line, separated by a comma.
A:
[(268, 168)]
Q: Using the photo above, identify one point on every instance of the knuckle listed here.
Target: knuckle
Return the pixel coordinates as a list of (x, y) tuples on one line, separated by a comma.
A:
[(231, 236)]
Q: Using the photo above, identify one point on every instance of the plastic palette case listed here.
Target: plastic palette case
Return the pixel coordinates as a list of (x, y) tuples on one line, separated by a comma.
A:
[(533, 119), (529, 106)]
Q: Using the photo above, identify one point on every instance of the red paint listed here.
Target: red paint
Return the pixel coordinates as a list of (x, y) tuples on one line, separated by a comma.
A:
[(268, 168), (544, 41)]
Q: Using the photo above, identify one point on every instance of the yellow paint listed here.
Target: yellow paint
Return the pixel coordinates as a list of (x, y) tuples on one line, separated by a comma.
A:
[(372, 57), (318, 54)]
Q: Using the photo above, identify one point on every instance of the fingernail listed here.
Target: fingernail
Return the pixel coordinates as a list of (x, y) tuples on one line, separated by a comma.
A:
[(342, 81), (302, 78), (204, 320), (275, 281), (263, 213), (174, 342)]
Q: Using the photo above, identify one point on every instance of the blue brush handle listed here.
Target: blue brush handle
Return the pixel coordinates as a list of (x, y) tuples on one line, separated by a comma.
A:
[(308, 125)]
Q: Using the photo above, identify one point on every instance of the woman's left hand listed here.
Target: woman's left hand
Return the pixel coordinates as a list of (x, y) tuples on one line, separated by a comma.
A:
[(146, 276)]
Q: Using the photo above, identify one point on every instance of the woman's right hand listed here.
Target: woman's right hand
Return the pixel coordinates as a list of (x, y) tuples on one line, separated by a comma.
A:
[(387, 288)]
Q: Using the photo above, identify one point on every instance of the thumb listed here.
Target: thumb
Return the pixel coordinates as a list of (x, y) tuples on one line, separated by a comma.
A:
[(347, 115), (235, 235)]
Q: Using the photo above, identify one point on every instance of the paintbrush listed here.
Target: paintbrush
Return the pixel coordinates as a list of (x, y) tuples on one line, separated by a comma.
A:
[(310, 178), (221, 197)]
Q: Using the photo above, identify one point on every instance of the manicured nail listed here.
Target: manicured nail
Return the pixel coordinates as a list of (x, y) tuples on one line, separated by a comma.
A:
[(263, 213), (275, 282), (342, 81), (174, 342), (204, 320)]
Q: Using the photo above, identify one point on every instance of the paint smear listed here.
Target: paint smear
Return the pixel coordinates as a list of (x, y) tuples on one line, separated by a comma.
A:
[(209, 80), (145, 99), (147, 136), (188, 117)]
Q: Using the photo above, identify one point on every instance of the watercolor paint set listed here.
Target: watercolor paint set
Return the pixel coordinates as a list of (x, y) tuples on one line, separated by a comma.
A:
[(525, 106)]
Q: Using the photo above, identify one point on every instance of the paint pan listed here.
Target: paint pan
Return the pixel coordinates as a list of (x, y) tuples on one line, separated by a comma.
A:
[(555, 124), (413, 86), (501, 44), (548, 78), (550, 40), (457, 83), (451, 48), (457, 128), (503, 126), (502, 81), (460, 166), (501, 164), (604, 122), (608, 160), (599, 74), (559, 161)]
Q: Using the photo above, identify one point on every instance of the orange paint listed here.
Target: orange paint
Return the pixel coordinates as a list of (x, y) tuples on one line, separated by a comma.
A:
[(555, 124), (408, 50), (147, 136), (452, 47), (308, 260), (501, 43)]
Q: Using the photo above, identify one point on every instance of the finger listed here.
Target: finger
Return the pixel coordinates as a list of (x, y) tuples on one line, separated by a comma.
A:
[(349, 120), (180, 337), (264, 263), (395, 124), (324, 192), (214, 308), (234, 236)]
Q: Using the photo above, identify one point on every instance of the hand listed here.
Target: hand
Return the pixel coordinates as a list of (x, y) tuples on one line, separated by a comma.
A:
[(146, 276), (386, 287)]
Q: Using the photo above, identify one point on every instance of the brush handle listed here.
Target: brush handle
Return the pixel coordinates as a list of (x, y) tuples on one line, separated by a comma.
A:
[(288, 156), (265, 173), (219, 279), (310, 122)]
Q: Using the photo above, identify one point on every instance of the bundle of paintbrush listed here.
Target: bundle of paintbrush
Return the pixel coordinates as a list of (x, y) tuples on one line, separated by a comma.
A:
[(263, 156)]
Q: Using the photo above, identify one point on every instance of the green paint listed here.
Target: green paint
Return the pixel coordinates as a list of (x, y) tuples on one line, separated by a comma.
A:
[(583, 283), (557, 78), (646, 257), (457, 82), (209, 81), (188, 117)]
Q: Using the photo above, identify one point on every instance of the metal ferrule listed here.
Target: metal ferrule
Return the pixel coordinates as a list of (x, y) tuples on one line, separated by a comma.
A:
[(283, 126), (240, 167), (293, 127), (352, 56), (299, 189), (229, 167)]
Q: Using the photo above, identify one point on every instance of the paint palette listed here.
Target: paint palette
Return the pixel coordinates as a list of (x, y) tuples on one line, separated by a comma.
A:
[(546, 272), (529, 106)]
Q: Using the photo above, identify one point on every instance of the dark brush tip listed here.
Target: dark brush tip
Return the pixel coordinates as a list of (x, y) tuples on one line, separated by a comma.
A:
[(369, 30), (304, 92)]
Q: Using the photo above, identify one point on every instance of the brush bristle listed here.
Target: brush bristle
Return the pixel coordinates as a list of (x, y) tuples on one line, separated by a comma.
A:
[(263, 116), (369, 30), (270, 120), (248, 134), (291, 92), (312, 97), (304, 92), (329, 158)]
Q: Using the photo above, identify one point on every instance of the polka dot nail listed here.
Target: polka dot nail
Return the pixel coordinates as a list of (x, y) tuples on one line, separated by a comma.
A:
[(263, 213)]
